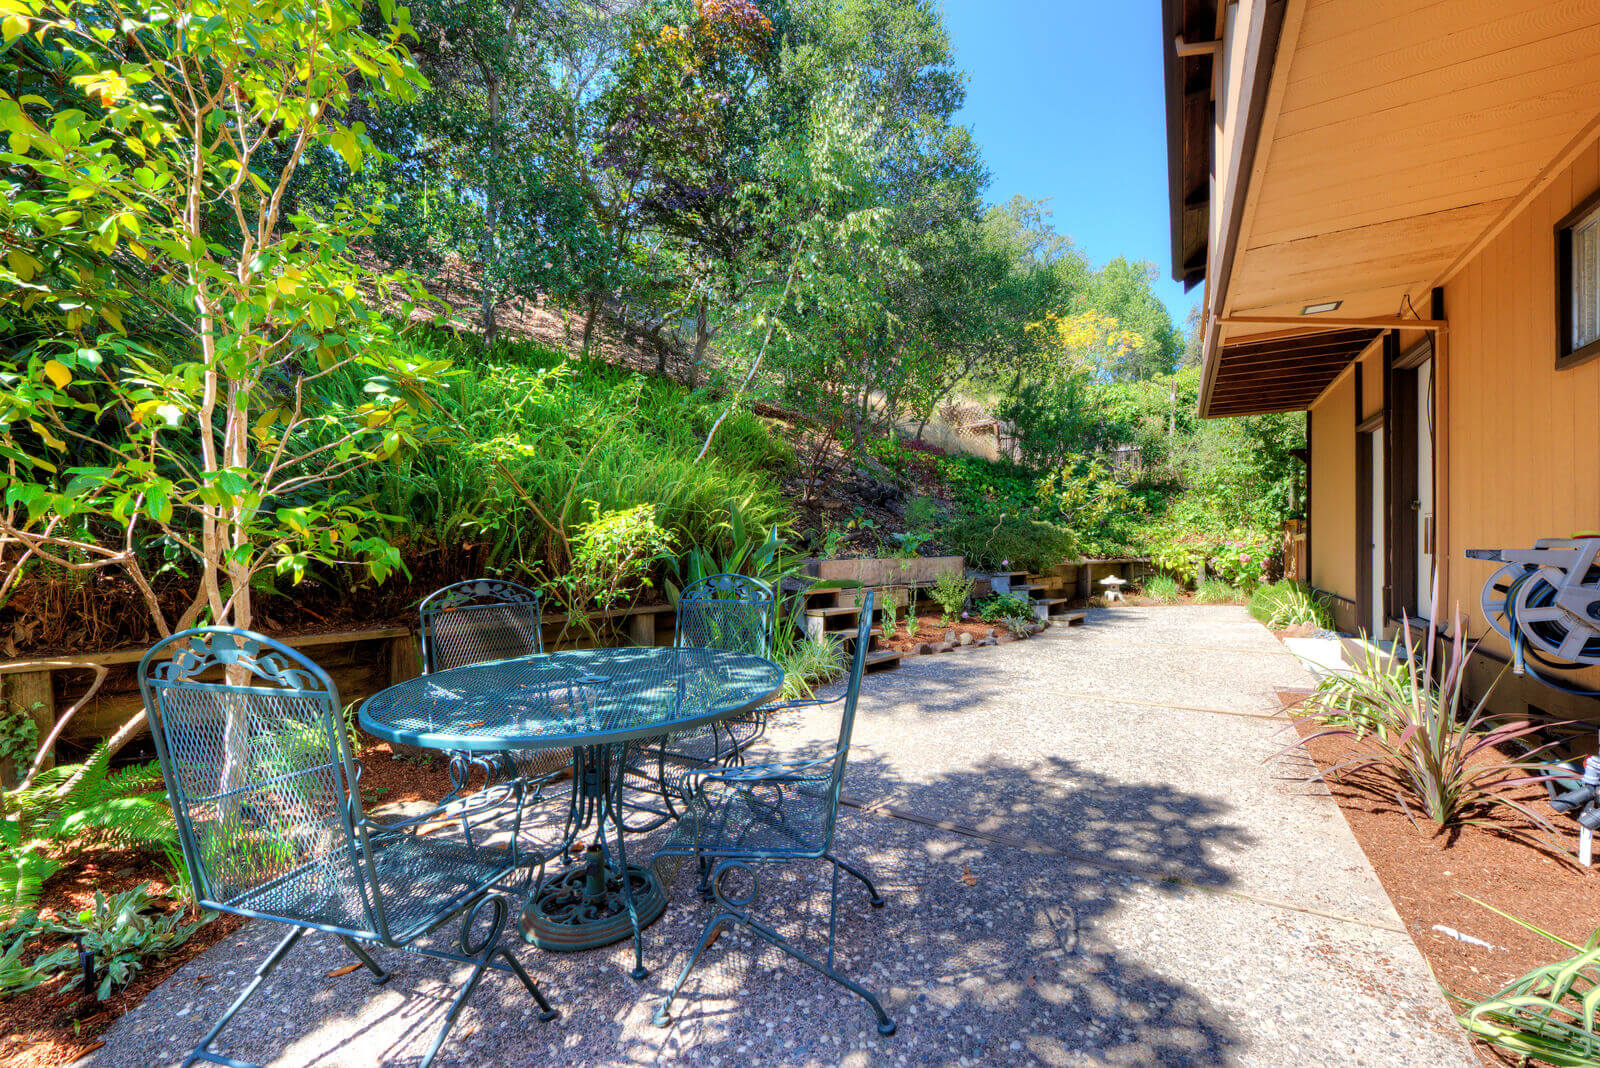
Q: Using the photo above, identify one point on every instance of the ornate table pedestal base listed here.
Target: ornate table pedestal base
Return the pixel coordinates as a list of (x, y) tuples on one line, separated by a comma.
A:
[(584, 907)]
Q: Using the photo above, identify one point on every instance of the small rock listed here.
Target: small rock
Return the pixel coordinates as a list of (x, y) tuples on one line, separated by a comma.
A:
[(965, 639), (924, 648), (990, 640), (944, 647), (992, 633), (950, 635)]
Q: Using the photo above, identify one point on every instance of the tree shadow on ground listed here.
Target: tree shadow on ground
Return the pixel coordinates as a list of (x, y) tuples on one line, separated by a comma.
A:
[(988, 950)]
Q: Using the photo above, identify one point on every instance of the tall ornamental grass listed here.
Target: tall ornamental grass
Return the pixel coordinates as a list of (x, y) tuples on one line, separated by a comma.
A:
[(1438, 750)]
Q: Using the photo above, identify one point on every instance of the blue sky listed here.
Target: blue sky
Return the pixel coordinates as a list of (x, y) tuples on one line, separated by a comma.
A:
[(1065, 96)]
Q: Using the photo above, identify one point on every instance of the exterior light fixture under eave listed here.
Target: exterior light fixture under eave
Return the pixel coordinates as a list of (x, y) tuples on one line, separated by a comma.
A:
[(1324, 306)]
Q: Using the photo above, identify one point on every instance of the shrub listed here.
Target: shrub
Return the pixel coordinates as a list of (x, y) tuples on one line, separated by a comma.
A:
[(950, 593), (1162, 588), (995, 542), (1002, 605), (1289, 604), (1427, 738), (1215, 591)]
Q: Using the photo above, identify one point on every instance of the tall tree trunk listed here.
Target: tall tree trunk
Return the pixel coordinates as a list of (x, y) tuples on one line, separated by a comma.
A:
[(589, 321), (702, 340), (491, 215)]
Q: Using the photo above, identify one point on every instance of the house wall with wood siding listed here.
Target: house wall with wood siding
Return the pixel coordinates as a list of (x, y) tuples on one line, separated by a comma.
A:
[(1524, 452), (1331, 425)]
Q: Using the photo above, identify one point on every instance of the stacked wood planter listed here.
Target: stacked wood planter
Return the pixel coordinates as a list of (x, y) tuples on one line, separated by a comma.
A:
[(836, 613)]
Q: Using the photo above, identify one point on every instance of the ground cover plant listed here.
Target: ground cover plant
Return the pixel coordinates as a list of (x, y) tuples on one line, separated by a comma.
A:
[(1002, 542)]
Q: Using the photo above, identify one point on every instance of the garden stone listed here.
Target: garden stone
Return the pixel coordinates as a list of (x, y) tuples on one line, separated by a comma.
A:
[(950, 635), (965, 639), (992, 633)]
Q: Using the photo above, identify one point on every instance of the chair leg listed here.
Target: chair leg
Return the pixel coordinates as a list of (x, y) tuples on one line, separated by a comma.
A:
[(736, 910), (886, 1026), (663, 1015), (379, 974), (202, 1052), (484, 953), (876, 898)]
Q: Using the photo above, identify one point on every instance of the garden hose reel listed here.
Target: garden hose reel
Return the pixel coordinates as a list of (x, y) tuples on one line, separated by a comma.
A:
[(1546, 602)]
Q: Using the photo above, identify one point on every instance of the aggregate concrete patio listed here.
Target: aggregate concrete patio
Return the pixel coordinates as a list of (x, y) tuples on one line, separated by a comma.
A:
[(1088, 859)]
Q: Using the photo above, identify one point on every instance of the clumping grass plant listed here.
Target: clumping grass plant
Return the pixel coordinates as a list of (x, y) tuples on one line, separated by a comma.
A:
[(808, 663), (1162, 588), (1215, 591), (1288, 604), (1548, 1015), (1437, 748)]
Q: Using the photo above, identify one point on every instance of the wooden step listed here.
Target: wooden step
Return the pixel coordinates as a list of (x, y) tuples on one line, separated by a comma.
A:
[(1073, 617), (1048, 601), (1031, 587), (833, 610), (883, 660)]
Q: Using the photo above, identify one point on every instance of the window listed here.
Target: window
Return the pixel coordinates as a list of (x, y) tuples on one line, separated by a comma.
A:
[(1578, 274)]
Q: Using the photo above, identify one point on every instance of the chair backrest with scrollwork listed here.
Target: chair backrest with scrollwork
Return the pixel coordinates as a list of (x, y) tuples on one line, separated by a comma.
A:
[(479, 620), (732, 613), (257, 764)]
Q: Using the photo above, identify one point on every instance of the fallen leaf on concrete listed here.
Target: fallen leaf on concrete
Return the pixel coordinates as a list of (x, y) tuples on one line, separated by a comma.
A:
[(967, 876), (346, 970)]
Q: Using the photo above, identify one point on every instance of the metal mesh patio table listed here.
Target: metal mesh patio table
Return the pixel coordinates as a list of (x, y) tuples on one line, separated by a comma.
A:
[(595, 702)]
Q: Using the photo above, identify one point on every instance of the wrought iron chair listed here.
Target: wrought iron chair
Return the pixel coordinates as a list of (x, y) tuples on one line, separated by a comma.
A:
[(265, 793), (728, 612), (469, 623), (738, 817)]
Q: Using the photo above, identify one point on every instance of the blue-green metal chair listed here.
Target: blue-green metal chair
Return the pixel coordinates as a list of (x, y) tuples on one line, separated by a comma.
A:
[(739, 817), (469, 623), (265, 792), (732, 613)]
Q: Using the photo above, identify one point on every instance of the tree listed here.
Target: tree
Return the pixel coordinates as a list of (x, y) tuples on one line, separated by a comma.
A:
[(163, 173), (686, 124), (1123, 291)]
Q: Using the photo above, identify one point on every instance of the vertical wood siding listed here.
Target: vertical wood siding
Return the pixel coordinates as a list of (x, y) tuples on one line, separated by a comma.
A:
[(1525, 438), (1332, 427)]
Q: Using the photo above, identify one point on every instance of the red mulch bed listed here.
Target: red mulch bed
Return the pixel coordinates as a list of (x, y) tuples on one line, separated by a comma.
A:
[(47, 1026), (929, 629), (1426, 875)]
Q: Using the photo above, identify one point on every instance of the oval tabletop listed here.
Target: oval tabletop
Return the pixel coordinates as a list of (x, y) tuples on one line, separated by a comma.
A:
[(567, 699)]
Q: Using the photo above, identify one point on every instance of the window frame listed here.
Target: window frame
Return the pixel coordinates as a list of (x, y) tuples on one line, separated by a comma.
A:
[(1567, 356)]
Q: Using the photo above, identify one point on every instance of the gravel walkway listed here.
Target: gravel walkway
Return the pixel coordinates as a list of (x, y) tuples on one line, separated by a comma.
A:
[(1088, 855)]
